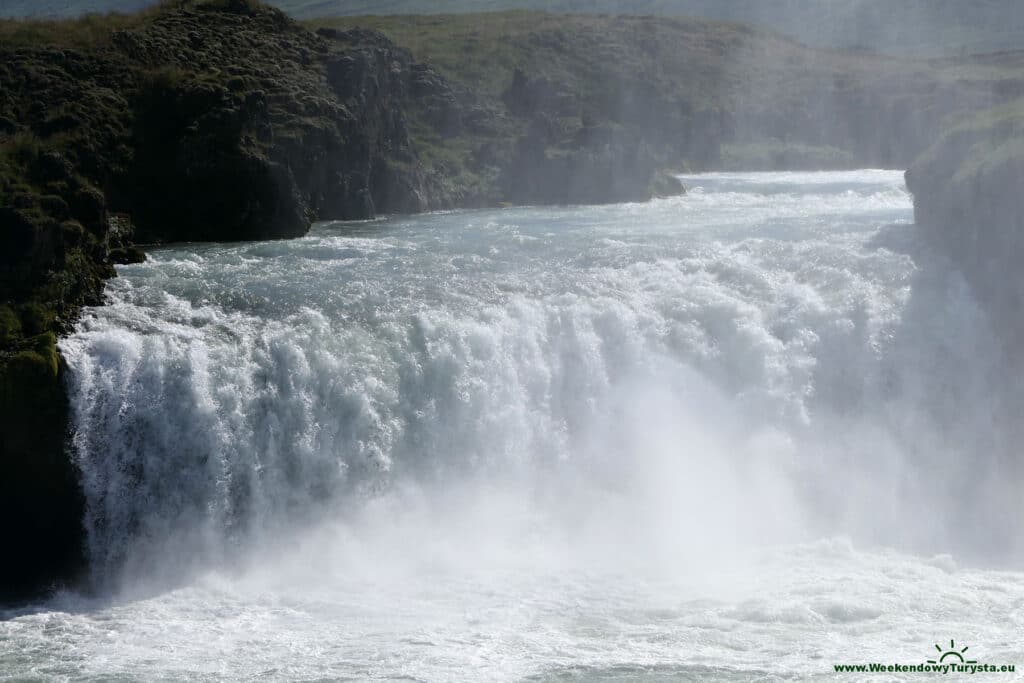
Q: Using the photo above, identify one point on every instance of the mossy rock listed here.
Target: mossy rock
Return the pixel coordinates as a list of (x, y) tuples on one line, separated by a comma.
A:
[(665, 184), (127, 255), (72, 232), (40, 498), (38, 361), (36, 318), (32, 400), (10, 327), (54, 205), (45, 358), (90, 207)]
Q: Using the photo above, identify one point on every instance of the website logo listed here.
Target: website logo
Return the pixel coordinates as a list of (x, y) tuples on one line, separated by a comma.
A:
[(950, 661), (953, 654)]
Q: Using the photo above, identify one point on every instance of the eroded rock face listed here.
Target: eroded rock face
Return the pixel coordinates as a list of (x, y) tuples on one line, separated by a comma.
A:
[(41, 503), (289, 126), (555, 162), (198, 174), (969, 197)]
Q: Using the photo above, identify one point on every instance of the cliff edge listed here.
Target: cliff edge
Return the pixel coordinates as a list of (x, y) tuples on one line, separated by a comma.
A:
[(969, 198)]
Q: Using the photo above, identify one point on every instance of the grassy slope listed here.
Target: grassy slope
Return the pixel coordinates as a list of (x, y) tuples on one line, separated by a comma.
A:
[(684, 64), (713, 61), (89, 31), (699, 64), (970, 154), (906, 27), (68, 8)]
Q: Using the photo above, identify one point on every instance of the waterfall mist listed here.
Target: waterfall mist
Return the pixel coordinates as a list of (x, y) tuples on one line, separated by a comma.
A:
[(666, 397), (735, 434)]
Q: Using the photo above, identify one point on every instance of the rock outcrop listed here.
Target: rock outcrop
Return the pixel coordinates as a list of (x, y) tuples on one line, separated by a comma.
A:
[(559, 159), (969, 197)]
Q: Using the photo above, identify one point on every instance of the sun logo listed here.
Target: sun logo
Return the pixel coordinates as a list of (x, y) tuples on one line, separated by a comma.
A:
[(952, 652)]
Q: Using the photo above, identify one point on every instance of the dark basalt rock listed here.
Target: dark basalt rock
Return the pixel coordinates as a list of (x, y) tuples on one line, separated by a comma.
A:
[(127, 255), (41, 503), (195, 174)]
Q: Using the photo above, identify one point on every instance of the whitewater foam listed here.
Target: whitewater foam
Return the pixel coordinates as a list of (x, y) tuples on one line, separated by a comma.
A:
[(581, 442)]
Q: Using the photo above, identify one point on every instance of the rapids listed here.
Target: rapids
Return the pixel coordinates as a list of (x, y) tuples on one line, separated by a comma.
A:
[(750, 432)]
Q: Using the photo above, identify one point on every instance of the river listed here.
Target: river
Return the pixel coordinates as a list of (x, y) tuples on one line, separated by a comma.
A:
[(743, 434)]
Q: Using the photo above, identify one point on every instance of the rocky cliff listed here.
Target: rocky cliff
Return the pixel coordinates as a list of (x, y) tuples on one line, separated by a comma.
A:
[(969, 197), (676, 90)]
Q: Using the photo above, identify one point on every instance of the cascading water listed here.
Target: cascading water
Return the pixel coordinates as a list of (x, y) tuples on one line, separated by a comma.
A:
[(582, 442)]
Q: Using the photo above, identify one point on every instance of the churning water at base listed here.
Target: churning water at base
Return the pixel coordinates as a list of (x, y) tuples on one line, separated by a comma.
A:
[(748, 433)]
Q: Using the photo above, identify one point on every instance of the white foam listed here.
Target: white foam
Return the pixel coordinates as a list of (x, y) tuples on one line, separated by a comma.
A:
[(489, 445)]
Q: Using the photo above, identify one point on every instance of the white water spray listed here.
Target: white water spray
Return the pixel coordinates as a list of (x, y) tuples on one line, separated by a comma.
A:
[(547, 432)]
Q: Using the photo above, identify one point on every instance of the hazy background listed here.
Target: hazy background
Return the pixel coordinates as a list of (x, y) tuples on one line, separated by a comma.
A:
[(905, 27)]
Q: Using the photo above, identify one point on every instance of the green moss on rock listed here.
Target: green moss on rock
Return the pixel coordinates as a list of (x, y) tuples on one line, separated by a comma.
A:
[(36, 319), (40, 498), (10, 326)]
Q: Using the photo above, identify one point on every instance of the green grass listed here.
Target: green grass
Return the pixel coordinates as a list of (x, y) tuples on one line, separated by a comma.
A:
[(1006, 116), (88, 31), (969, 168), (909, 28), (996, 138)]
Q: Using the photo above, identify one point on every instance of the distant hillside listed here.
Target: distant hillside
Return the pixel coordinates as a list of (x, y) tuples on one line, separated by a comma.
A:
[(901, 27), (905, 27), (68, 8)]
